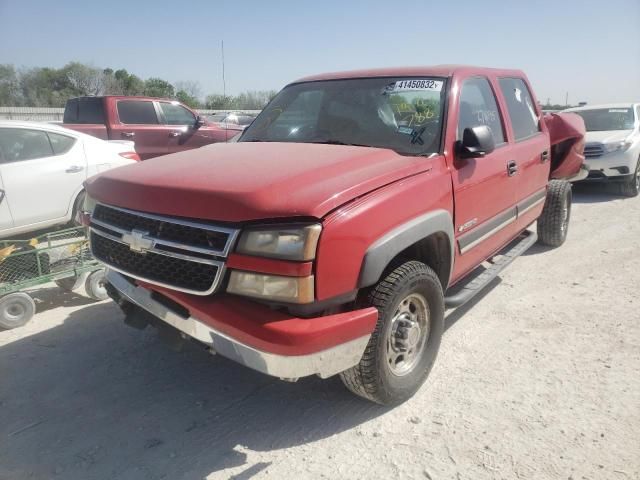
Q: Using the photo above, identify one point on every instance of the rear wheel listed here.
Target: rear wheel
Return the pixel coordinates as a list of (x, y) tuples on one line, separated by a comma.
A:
[(553, 223), (631, 187), (94, 285), (404, 345), (16, 309), (77, 208)]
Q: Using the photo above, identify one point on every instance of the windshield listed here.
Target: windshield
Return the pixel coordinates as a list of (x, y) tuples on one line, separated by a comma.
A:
[(605, 119), (403, 114)]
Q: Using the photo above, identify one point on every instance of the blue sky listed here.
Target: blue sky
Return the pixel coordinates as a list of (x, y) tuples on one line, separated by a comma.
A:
[(590, 49)]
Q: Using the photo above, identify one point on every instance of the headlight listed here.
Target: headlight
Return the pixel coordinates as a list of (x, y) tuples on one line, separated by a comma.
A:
[(272, 287), (616, 146), (89, 204), (285, 243)]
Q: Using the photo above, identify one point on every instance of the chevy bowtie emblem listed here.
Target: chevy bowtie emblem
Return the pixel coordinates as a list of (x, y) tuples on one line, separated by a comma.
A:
[(137, 241)]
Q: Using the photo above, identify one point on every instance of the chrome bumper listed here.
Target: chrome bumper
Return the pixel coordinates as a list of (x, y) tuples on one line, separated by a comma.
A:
[(324, 364)]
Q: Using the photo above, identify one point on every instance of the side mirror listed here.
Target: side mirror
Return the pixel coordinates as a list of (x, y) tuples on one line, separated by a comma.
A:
[(476, 142), (200, 121)]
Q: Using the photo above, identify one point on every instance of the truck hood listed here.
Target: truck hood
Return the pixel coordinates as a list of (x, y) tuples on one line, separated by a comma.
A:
[(237, 182), (609, 136)]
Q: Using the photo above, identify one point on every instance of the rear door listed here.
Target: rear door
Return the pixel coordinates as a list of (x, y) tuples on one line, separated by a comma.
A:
[(530, 147), (484, 191), (42, 173), (139, 120), (184, 133)]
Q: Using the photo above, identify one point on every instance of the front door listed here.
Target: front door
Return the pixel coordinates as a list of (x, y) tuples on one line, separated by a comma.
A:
[(484, 188), (184, 133), (42, 173), (139, 121)]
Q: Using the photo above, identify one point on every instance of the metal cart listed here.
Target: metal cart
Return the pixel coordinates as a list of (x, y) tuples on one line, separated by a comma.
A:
[(62, 257)]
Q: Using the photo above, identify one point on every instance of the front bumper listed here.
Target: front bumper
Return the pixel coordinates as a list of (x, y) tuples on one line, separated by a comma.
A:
[(617, 167), (278, 345)]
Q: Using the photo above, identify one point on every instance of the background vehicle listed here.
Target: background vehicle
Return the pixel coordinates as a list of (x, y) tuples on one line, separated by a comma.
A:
[(612, 147), (330, 238), (157, 126), (232, 121), (42, 169)]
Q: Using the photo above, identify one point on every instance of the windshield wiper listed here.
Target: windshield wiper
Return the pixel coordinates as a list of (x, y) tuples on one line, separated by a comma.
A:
[(339, 142)]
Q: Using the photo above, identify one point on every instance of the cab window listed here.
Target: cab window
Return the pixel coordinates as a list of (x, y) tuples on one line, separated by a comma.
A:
[(137, 112), (478, 106), (524, 119), (176, 114)]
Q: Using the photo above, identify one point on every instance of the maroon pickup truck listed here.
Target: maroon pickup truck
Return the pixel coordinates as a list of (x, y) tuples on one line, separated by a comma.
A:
[(332, 236), (157, 126)]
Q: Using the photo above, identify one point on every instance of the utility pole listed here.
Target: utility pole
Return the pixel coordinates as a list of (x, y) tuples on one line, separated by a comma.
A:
[(566, 100), (224, 84)]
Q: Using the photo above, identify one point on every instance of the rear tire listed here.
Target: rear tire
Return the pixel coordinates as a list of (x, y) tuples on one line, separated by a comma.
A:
[(94, 285), (631, 188), (16, 309), (553, 224), (77, 208), (405, 342)]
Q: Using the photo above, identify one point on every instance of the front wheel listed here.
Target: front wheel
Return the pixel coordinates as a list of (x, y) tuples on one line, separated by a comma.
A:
[(404, 345), (16, 309), (631, 187), (94, 285), (553, 223)]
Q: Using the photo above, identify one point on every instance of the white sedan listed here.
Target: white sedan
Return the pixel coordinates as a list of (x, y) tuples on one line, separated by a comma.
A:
[(42, 171)]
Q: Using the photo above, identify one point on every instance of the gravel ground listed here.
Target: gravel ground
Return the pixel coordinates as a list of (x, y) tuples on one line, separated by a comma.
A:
[(539, 378)]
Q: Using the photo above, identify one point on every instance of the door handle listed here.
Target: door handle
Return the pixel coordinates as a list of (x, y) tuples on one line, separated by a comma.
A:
[(512, 168), (545, 156), (128, 134), (175, 134), (74, 169)]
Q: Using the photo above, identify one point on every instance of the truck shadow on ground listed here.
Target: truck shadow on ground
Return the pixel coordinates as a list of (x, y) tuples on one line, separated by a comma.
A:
[(54, 297), (93, 399), (595, 193)]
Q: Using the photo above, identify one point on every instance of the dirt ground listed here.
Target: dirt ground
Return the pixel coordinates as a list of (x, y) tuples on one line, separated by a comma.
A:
[(539, 378)]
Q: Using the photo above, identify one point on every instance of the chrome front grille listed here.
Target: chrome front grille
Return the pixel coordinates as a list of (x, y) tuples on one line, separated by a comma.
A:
[(593, 150), (178, 254)]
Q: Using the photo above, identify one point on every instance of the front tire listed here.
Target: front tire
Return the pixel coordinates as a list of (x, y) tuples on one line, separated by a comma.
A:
[(553, 223), (16, 309), (404, 345), (631, 188)]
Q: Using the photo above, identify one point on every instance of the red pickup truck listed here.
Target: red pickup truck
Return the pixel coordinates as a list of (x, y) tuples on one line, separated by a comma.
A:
[(332, 236), (157, 126)]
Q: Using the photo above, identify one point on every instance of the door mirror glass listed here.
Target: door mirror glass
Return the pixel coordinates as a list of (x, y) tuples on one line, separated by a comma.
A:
[(476, 142)]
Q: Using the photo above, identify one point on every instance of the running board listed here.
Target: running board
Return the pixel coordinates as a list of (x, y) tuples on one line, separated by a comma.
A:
[(465, 292)]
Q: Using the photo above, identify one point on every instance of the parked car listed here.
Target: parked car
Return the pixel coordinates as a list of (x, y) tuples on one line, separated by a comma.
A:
[(332, 236), (157, 126), (233, 122), (612, 147), (42, 169)]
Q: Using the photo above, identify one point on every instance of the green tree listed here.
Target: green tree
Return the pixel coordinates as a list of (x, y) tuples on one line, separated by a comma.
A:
[(187, 99), (9, 86), (156, 87)]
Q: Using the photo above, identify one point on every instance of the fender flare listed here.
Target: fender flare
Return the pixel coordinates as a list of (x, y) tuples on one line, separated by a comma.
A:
[(382, 251)]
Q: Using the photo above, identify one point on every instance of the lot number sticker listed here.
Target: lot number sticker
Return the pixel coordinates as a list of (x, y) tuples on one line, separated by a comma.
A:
[(419, 85)]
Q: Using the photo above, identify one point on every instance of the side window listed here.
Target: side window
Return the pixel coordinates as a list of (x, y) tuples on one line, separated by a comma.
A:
[(21, 144), (478, 106), (137, 112), (522, 112), (176, 114), (638, 114), (60, 143)]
